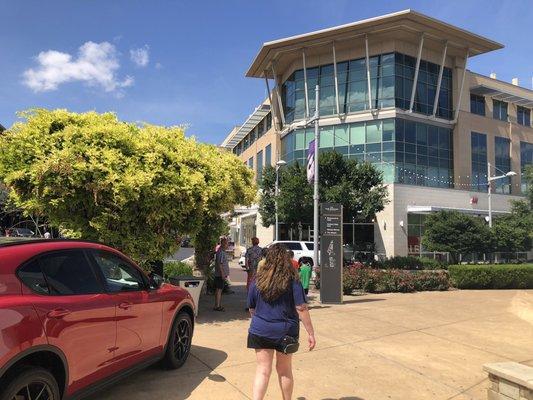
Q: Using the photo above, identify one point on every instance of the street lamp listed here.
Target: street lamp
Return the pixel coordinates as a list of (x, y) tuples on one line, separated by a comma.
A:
[(279, 164), (489, 180), (304, 124)]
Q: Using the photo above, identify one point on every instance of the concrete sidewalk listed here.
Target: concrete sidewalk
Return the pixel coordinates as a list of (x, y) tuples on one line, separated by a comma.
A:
[(428, 345)]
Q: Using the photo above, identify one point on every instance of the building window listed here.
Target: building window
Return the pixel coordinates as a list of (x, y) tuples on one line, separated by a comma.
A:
[(251, 163), (259, 166), (523, 116), (391, 80), (499, 110), (268, 156), (415, 231), (477, 104), (405, 151), (502, 153), (268, 121), (479, 161), (526, 158), (426, 89)]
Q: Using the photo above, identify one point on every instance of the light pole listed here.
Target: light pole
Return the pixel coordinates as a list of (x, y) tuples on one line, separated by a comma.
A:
[(303, 124), (279, 164), (490, 179)]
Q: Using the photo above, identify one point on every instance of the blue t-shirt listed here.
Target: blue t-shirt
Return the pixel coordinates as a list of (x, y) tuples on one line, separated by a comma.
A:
[(274, 320)]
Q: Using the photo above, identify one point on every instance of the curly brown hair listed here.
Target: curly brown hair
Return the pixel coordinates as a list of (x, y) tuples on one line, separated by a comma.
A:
[(276, 275)]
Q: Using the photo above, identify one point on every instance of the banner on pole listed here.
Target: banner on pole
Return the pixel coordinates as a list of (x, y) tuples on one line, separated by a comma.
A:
[(311, 162)]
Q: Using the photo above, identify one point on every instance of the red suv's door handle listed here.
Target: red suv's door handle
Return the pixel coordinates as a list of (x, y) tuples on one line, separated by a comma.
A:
[(58, 313), (125, 305)]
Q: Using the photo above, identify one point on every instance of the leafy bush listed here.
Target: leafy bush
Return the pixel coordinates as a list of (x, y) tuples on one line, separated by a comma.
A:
[(363, 278), (176, 268), (409, 263), (502, 276)]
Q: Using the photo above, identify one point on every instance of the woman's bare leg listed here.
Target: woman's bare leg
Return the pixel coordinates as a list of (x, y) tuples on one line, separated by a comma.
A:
[(285, 378), (262, 372)]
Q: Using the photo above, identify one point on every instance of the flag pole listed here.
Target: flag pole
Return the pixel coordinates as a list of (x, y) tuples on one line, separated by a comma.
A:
[(316, 195)]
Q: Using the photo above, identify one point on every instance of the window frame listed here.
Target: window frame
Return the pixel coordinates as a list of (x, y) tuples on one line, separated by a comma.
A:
[(37, 258), (99, 272)]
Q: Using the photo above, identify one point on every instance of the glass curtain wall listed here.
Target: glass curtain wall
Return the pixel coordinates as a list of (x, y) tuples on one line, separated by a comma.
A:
[(391, 81), (502, 149), (259, 166), (405, 151), (479, 161), (526, 158)]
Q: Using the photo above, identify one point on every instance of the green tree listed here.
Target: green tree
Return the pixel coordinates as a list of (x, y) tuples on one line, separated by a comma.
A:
[(357, 186), (456, 233), (133, 187)]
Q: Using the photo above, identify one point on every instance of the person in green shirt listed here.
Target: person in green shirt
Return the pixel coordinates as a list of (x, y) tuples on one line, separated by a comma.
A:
[(305, 273)]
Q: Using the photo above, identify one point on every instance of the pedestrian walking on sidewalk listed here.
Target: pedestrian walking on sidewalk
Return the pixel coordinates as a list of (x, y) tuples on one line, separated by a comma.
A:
[(252, 258), (277, 303), (221, 272), (305, 273)]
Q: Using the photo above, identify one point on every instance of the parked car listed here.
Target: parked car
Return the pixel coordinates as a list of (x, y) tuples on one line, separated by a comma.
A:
[(301, 249), (242, 261), (76, 315), (20, 232)]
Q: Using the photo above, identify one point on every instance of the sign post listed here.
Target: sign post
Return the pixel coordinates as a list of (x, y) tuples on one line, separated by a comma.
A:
[(331, 258)]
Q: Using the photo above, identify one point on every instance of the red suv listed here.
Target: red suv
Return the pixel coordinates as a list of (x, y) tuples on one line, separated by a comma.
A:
[(77, 315)]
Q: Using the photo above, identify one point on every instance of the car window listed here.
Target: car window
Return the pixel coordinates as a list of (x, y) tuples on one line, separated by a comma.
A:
[(119, 275), (31, 275), (69, 273), (292, 246), (310, 245)]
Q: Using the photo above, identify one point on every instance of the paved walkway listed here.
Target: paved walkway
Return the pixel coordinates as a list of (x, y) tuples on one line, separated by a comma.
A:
[(428, 345)]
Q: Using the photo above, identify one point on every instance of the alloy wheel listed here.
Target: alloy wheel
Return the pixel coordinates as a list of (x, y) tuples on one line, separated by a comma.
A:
[(182, 340), (34, 391)]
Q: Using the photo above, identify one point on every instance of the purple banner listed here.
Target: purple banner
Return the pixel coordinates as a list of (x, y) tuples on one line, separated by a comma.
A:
[(311, 162)]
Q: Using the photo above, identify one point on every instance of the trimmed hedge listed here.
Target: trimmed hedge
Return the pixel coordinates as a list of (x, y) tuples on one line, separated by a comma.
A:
[(409, 263), (496, 276), (363, 278)]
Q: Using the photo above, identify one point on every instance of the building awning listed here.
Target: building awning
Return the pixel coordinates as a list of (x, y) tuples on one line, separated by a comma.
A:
[(233, 139), (506, 95), (432, 209), (459, 40)]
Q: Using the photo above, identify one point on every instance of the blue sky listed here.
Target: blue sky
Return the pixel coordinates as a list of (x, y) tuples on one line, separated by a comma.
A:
[(183, 62)]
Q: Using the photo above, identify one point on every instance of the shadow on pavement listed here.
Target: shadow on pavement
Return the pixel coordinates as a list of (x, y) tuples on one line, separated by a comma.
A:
[(234, 304), (335, 398), (157, 383), (354, 301)]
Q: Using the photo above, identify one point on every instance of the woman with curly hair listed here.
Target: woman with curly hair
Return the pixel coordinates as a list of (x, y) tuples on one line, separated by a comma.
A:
[(277, 303)]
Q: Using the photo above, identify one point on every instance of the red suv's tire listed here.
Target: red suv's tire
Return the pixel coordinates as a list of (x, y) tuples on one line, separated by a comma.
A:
[(179, 342), (34, 379)]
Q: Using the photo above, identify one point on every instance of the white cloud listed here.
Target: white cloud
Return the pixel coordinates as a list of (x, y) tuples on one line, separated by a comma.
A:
[(158, 66), (96, 65), (140, 56)]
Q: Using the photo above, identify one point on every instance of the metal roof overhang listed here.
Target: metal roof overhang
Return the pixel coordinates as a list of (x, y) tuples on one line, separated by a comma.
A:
[(503, 95), (432, 209), (250, 123), (407, 20)]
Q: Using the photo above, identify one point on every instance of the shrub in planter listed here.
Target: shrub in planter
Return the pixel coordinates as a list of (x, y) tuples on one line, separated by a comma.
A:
[(177, 268), (500, 276)]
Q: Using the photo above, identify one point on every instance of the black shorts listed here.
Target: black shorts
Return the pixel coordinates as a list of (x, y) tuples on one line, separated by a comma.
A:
[(219, 282), (259, 342)]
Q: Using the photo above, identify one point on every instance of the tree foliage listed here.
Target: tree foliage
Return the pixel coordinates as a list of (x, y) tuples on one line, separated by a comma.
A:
[(357, 186), (133, 187), (456, 233)]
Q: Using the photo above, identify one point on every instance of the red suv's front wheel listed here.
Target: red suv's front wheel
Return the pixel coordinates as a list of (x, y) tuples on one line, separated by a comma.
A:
[(34, 383), (179, 341)]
